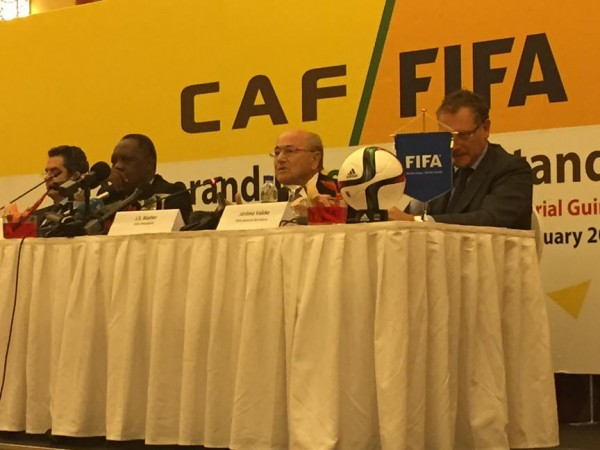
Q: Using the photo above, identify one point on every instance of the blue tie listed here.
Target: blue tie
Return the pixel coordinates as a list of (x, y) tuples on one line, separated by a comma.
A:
[(461, 183)]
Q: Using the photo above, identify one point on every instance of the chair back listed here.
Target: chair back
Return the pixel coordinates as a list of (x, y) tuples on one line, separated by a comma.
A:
[(536, 225)]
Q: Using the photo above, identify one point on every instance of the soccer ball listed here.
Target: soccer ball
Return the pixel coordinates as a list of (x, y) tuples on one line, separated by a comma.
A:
[(371, 178)]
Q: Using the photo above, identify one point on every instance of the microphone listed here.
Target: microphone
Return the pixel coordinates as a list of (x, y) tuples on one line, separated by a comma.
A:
[(97, 174), (160, 198), (208, 220), (70, 221), (72, 212), (54, 173), (96, 226), (212, 181)]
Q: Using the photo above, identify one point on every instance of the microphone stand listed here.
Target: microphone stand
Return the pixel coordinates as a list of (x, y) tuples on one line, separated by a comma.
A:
[(95, 226), (161, 200), (25, 193), (208, 220), (86, 198)]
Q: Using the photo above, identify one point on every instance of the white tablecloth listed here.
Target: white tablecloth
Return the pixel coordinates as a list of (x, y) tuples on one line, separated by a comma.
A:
[(393, 335)]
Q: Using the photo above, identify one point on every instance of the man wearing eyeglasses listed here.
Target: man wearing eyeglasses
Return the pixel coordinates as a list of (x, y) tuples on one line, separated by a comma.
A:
[(65, 162), (492, 187), (298, 161)]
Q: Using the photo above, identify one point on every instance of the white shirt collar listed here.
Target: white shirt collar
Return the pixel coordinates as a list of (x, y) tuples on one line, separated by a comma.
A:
[(476, 163)]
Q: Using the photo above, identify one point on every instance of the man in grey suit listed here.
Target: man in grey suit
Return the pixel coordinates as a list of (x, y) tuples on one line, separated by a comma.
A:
[(492, 187)]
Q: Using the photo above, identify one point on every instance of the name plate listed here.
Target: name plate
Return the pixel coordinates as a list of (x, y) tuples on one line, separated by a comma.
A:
[(149, 221), (254, 216)]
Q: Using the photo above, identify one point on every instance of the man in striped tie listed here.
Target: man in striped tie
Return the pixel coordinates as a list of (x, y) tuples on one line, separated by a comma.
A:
[(298, 162)]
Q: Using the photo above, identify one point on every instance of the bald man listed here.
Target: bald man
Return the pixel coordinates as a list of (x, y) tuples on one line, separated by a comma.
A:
[(298, 161)]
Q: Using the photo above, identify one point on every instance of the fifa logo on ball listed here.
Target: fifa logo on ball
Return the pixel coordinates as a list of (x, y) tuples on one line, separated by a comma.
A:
[(371, 178), (423, 161)]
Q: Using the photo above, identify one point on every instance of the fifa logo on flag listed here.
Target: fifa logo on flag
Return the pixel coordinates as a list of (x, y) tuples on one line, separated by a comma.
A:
[(427, 159), (423, 161)]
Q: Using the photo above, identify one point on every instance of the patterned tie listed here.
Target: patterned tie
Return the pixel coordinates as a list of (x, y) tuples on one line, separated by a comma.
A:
[(461, 183), (295, 193)]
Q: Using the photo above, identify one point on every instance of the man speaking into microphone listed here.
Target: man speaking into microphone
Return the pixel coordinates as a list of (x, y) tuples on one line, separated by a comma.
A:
[(134, 165)]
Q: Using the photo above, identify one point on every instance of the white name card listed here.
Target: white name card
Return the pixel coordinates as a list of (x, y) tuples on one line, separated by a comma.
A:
[(148, 221), (254, 216)]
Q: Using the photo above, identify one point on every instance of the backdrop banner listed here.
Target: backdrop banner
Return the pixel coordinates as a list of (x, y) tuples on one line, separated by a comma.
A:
[(214, 88)]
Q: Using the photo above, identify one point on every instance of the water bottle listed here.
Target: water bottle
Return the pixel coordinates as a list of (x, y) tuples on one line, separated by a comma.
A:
[(268, 191)]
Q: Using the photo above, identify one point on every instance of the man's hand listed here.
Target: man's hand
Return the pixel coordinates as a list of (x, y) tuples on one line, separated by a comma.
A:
[(118, 180), (397, 214)]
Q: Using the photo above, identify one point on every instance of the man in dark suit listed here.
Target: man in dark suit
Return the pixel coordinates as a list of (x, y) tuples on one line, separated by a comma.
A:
[(65, 162), (492, 187), (298, 161), (134, 164)]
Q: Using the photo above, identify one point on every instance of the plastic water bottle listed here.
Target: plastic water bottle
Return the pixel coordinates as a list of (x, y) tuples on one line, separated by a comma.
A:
[(268, 191)]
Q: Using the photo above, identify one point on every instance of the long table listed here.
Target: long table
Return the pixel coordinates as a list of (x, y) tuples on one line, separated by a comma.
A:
[(390, 335)]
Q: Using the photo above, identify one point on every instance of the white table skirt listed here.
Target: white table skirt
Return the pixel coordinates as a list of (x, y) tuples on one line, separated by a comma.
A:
[(393, 335)]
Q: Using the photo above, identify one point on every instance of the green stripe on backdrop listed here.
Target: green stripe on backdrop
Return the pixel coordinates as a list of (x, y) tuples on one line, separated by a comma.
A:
[(361, 114)]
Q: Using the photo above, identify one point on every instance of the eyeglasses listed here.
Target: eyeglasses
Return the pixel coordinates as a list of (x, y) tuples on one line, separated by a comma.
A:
[(287, 151), (465, 135)]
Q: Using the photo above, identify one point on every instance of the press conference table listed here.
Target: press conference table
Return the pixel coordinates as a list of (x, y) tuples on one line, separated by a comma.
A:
[(390, 335)]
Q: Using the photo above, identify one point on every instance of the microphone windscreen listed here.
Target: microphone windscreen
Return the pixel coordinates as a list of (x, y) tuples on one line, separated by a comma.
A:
[(101, 171)]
